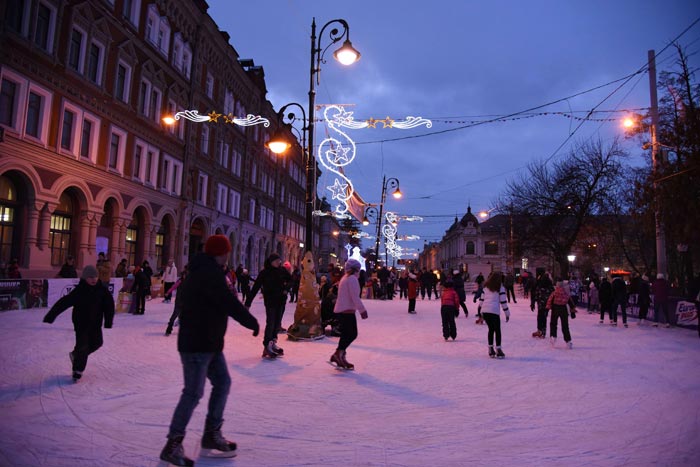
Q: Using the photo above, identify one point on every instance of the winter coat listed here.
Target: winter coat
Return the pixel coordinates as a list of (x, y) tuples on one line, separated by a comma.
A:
[(605, 293), (141, 283), (412, 289), (207, 303), (560, 297), (170, 274), (449, 297), (68, 271), (274, 283), (459, 287), (92, 305), (493, 302), (619, 289), (543, 289), (348, 300), (121, 270), (660, 290), (104, 271), (643, 298)]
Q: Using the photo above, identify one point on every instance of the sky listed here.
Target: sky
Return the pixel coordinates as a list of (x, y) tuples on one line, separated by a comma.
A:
[(620, 397), (458, 64)]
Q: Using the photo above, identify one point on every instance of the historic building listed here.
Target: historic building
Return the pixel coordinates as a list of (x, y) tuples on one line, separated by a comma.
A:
[(87, 164)]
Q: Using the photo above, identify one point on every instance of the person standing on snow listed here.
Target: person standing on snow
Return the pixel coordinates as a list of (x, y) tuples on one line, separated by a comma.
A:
[(92, 305), (169, 279), (412, 293), (347, 303), (458, 282), (206, 303), (449, 309), (558, 302), (273, 280), (492, 300), (543, 289)]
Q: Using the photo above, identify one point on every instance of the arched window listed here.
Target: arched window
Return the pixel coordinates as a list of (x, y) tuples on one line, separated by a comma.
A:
[(60, 230), (470, 248), (8, 202)]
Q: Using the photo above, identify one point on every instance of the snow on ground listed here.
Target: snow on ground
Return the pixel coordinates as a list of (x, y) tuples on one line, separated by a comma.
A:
[(620, 397)]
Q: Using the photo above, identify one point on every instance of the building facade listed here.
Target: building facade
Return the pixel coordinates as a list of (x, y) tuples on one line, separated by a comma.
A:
[(87, 164)]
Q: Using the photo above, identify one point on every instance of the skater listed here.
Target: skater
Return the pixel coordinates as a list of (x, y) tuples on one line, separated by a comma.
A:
[(492, 300), (412, 293), (509, 283), (273, 280), (543, 289), (346, 304), (178, 304), (605, 296), (560, 302), (207, 303), (140, 289), (169, 279), (643, 298), (449, 309), (619, 293), (92, 305), (458, 282), (592, 298), (660, 290)]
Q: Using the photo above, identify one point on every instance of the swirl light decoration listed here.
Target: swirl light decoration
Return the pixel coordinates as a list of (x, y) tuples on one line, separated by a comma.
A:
[(249, 120), (338, 150), (389, 231)]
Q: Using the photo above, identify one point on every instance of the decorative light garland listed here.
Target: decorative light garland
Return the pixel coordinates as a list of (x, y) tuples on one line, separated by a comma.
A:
[(193, 116), (389, 231)]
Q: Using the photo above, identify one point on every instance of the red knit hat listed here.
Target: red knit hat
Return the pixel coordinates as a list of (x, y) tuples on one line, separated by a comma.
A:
[(217, 245)]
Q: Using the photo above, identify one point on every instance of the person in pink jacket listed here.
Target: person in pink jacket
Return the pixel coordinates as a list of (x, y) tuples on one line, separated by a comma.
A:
[(347, 303), (449, 309)]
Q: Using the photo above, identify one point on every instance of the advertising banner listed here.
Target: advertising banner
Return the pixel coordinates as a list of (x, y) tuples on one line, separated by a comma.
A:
[(686, 314), (20, 294)]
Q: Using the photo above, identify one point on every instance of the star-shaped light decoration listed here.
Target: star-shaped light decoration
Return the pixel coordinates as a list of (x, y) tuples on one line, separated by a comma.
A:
[(372, 123), (338, 189), (213, 116), (339, 154), (388, 122)]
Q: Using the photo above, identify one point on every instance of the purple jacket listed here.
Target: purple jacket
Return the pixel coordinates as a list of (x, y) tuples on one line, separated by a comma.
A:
[(348, 300)]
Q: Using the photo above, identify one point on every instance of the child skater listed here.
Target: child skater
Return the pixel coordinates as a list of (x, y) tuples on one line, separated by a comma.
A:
[(412, 293), (92, 305), (449, 309), (492, 300), (560, 302), (346, 304)]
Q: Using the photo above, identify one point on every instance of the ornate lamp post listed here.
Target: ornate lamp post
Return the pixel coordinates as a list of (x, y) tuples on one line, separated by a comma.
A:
[(392, 182)]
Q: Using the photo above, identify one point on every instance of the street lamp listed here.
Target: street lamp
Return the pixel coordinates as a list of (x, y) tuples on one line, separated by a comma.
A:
[(346, 55), (370, 212), (392, 182)]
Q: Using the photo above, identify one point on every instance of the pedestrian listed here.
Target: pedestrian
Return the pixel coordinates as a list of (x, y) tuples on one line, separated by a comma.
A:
[(178, 303), (207, 302), (426, 283), (148, 271), (104, 269), (346, 304), (13, 269), (592, 298), (560, 302), (458, 282), (169, 279), (479, 281), (509, 284), (93, 306), (643, 298), (660, 289), (273, 280), (403, 285), (538, 297), (68, 269), (605, 296), (140, 289), (412, 293), (122, 269), (619, 295), (492, 301), (294, 286), (244, 284), (449, 309)]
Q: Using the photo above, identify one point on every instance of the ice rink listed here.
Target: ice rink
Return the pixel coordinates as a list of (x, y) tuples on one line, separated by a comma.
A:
[(620, 397)]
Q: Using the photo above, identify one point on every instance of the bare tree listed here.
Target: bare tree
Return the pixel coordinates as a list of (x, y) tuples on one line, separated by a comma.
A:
[(552, 202)]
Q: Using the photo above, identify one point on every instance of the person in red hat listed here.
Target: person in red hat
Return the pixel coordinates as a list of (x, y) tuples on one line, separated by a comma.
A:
[(206, 302)]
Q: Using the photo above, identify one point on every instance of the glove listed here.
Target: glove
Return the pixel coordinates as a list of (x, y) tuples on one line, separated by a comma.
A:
[(256, 329), (573, 315), (507, 318), (363, 314), (532, 307)]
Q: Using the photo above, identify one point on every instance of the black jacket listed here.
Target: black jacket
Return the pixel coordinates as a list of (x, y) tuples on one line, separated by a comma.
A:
[(274, 283), (92, 305), (207, 302)]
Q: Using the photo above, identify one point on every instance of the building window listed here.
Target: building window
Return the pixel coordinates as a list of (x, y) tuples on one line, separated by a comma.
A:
[(491, 247), (34, 108), (60, 230), (130, 11), (470, 248), (8, 103), (132, 235), (176, 185), (45, 27), (123, 82), (160, 244), (8, 202), (85, 139), (221, 198), (94, 65), (16, 16), (76, 50), (67, 130), (204, 143), (234, 203), (209, 86), (117, 150), (138, 155), (251, 211), (236, 159), (202, 189)]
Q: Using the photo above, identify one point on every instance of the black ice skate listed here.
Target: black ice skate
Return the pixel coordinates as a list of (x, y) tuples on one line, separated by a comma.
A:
[(174, 454), (499, 353), (278, 350), (338, 361), (77, 375), (268, 354), (492, 353), (215, 445)]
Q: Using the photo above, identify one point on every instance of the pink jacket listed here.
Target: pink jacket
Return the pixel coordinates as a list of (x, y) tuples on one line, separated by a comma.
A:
[(449, 297), (348, 300)]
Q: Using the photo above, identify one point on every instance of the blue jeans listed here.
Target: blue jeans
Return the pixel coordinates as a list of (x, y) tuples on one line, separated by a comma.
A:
[(196, 368)]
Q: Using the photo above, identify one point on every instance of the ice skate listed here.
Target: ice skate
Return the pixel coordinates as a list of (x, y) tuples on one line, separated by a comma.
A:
[(346, 364), (499, 353), (174, 454), (215, 445), (336, 361), (492, 353), (268, 354), (77, 375), (278, 350), (537, 333), (570, 345), (601, 322), (552, 341)]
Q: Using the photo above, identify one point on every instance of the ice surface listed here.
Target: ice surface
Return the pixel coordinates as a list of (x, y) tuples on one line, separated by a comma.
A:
[(620, 397)]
